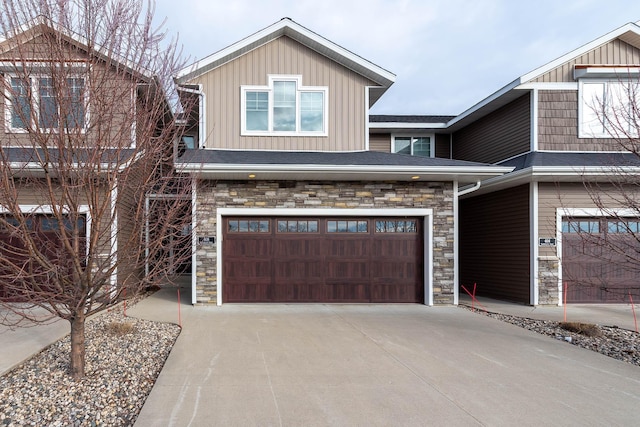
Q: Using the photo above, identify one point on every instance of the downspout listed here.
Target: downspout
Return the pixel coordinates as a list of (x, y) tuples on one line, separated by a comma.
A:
[(114, 236), (456, 236)]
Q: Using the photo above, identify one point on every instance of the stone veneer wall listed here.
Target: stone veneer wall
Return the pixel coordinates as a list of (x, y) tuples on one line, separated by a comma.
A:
[(548, 280), (438, 196)]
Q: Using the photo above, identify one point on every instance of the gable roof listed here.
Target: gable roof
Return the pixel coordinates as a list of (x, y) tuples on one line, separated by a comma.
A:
[(40, 24), (288, 27), (629, 33)]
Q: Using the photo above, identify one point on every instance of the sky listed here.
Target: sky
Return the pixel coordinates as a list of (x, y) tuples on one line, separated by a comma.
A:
[(447, 55)]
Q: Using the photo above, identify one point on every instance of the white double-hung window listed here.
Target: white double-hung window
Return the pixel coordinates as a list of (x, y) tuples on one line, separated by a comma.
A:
[(284, 107), (44, 103)]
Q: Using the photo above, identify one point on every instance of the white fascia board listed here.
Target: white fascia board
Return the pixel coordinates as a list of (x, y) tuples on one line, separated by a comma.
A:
[(283, 27), (249, 168), (404, 125), (581, 50), (606, 72), (513, 85), (548, 86)]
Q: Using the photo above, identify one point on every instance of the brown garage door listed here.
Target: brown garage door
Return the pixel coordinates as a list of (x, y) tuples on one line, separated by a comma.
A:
[(323, 260), (13, 253), (595, 268)]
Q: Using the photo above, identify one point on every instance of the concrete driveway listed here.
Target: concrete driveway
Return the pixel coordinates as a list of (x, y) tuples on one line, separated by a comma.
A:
[(376, 365)]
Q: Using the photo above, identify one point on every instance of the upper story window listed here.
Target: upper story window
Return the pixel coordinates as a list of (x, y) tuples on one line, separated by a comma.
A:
[(413, 145), (608, 108), (37, 102), (283, 108)]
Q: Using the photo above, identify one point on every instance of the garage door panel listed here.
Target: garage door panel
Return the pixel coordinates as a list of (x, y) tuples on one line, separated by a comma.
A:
[(324, 259), (594, 268)]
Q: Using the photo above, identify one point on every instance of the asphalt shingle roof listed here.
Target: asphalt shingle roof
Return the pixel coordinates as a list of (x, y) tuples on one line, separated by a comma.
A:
[(592, 159), (358, 158), (408, 119)]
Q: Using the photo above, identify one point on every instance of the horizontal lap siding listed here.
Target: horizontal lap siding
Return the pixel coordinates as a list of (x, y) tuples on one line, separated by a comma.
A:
[(502, 134), (380, 142), (443, 146), (494, 244)]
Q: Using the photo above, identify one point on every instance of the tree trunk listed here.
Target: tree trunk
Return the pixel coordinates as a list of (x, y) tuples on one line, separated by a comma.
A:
[(77, 346)]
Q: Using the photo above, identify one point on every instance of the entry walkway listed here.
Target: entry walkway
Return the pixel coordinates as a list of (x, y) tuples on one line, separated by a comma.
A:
[(376, 365)]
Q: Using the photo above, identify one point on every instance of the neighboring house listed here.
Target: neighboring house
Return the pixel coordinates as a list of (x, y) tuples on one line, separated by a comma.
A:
[(49, 79), (526, 235), (295, 202)]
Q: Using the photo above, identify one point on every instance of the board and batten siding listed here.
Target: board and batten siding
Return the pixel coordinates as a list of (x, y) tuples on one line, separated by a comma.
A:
[(380, 142), (494, 244), (500, 135), (616, 52), (558, 124), (285, 56)]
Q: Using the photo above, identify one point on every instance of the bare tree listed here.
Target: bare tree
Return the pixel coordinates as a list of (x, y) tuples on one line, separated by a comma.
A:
[(90, 207), (607, 246)]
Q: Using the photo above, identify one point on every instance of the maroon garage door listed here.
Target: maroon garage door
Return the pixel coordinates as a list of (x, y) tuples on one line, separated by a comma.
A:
[(598, 260), (323, 260), (13, 252)]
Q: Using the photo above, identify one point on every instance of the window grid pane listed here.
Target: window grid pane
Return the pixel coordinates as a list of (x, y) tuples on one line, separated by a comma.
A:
[(396, 226), (257, 110), (48, 108), (311, 111), (21, 108), (75, 108), (284, 106)]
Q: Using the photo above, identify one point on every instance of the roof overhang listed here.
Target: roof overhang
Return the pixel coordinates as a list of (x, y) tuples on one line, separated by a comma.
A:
[(288, 172), (295, 31), (556, 174)]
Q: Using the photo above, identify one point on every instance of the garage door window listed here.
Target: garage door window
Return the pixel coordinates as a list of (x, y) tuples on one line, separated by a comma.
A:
[(581, 226), (248, 225), (396, 226), (621, 227), (347, 226), (297, 226)]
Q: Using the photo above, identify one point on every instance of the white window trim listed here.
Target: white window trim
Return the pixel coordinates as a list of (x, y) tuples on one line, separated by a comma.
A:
[(271, 78), (432, 141), (582, 133), (36, 97)]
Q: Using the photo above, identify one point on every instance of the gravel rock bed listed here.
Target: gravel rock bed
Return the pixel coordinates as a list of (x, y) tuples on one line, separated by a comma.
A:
[(124, 356), (618, 343)]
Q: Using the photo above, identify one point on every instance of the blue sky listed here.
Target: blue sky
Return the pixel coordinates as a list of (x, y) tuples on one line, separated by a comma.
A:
[(447, 54)]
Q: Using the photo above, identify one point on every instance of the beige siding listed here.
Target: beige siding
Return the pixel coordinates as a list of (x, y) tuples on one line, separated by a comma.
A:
[(558, 124), (502, 134), (568, 195), (380, 142), (612, 53), (494, 244), (346, 98)]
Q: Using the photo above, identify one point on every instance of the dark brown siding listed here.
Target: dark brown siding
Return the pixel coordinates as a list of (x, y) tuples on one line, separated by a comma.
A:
[(502, 134), (494, 244), (558, 124), (380, 142), (443, 146)]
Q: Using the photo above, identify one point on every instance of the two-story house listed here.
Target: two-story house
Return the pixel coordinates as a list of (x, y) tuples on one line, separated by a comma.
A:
[(562, 226), (294, 201), (556, 228), (77, 121)]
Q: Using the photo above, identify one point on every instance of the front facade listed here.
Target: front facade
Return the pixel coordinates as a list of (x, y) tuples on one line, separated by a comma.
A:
[(305, 197), (293, 204)]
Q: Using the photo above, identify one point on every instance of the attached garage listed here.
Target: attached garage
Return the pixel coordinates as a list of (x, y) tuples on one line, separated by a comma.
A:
[(14, 254), (355, 259), (595, 267)]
